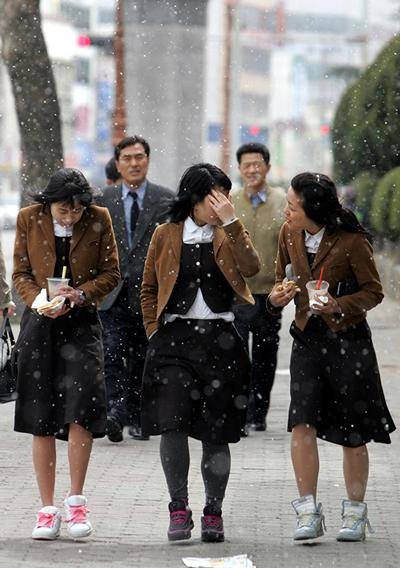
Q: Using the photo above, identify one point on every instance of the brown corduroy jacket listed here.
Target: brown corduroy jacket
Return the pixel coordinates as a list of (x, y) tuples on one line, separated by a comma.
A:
[(344, 256), (233, 253), (93, 254)]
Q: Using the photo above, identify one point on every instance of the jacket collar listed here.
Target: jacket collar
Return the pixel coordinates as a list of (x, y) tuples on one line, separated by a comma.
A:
[(47, 228)]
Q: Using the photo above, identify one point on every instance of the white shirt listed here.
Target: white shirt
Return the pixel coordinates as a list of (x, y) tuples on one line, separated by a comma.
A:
[(60, 230), (312, 242), (193, 234)]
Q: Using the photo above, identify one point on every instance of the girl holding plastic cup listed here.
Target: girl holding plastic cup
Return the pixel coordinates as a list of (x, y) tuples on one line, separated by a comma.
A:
[(336, 391), (59, 354)]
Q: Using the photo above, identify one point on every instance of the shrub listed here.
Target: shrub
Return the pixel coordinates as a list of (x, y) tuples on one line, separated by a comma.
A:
[(382, 204)]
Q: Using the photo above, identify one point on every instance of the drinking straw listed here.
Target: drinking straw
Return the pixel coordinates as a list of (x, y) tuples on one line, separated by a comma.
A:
[(319, 281), (64, 272)]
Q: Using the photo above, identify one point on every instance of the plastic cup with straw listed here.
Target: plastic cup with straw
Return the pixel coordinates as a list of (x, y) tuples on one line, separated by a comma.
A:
[(317, 292), (54, 284)]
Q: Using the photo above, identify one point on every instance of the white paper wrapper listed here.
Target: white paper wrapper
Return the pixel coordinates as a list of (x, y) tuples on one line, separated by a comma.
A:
[(41, 303), (241, 561)]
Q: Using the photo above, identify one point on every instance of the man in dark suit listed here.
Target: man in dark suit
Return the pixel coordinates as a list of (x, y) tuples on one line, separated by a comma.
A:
[(136, 207)]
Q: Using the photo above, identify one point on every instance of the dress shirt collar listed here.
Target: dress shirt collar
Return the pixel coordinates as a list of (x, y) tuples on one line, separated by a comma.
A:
[(312, 242), (140, 191), (60, 230), (193, 233)]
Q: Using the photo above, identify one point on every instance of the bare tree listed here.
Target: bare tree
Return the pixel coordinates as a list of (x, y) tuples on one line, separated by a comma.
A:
[(25, 54)]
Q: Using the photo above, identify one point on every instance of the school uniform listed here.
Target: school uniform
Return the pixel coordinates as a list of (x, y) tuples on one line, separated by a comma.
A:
[(197, 370), (335, 381), (59, 363)]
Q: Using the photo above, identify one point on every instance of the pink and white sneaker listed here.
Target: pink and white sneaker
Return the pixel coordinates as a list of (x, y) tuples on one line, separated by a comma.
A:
[(78, 525), (48, 524)]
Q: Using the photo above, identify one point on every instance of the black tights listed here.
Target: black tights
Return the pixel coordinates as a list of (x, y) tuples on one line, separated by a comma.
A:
[(215, 467)]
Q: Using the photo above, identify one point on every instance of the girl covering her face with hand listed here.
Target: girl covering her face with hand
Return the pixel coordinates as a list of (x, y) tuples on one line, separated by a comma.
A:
[(196, 373)]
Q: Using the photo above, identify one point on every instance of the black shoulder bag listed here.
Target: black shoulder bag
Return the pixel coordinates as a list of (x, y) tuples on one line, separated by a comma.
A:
[(8, 383)]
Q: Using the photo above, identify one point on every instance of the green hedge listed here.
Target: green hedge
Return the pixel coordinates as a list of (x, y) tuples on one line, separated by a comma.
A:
[(366, 126), (386, 205), (365, 185)]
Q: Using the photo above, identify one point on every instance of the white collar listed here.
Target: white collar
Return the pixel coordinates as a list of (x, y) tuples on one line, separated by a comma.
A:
[(312, 242), (193, 233), (60, 230)]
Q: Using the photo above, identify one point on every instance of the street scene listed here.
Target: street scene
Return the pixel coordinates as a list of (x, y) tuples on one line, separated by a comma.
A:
[(199, 283)]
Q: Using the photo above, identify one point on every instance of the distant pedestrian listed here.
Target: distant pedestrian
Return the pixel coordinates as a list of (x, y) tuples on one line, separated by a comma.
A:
[(136, 207), (111, 171), (336, 391), (195, 377), (6, 302), (59, 354), (260, 208)]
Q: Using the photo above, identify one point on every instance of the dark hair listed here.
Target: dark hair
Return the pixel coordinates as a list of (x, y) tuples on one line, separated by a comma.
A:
[(253, 148), (131, 141), (321, 204), (195, 184), (111, 170), (66, 184)]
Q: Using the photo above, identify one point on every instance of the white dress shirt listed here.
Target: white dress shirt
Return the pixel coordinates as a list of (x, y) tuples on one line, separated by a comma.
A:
[(192, 235), (312, 242)]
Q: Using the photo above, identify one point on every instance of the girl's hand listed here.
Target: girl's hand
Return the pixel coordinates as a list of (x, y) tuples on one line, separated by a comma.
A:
[(53, 315), (74, 296), (280, 295), (331, 306), (222, 206)]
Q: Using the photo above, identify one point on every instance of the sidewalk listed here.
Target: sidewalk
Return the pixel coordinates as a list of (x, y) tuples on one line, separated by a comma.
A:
[(128, 497)]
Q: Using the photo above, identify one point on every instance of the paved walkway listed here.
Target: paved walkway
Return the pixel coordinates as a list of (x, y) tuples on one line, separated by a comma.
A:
[(128, 497)]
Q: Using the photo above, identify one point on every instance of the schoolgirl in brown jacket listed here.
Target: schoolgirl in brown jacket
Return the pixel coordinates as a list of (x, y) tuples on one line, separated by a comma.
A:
[(336, 391), (196, 372)]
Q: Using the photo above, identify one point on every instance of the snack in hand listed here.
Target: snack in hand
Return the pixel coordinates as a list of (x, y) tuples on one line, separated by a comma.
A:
[(52, 306), (285, 284)]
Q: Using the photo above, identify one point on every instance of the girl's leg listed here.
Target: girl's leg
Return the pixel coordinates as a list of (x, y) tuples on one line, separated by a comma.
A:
[(79, 448), (44, 462), (355, 471), (215, 469), (175, 460), (305, 459), (174, 453)]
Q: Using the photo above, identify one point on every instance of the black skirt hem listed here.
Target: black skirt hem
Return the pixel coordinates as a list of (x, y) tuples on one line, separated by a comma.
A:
[(381, 438)]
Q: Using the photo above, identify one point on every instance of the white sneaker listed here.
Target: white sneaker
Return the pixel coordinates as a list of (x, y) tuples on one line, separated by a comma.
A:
[(355, 521), (78, 525), (310, 520), (48, 524)]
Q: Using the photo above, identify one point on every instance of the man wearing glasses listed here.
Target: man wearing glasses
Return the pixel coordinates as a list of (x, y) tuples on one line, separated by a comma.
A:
[(136, 207), (260, 208)]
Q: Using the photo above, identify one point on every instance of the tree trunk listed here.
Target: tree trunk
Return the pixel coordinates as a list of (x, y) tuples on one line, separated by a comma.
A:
[(25, 54)]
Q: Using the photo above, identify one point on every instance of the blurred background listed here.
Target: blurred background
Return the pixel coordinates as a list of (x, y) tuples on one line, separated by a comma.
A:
[(197, 78)]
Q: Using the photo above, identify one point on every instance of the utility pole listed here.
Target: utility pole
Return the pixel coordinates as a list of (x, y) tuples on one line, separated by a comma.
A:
[(119, 118), (226, 97)]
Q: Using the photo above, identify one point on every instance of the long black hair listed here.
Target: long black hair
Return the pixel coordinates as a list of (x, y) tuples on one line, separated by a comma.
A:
[(66, 185), (195, 184), (321, 204)]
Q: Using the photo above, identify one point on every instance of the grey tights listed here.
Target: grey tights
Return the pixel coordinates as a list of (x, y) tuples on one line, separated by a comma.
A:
[(215, 467)]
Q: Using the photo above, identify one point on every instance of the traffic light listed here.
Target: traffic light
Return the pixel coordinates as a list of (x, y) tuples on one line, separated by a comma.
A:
[(106, 43)]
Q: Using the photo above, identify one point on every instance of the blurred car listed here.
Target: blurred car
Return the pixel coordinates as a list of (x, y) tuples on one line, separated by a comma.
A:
[(9, 207)]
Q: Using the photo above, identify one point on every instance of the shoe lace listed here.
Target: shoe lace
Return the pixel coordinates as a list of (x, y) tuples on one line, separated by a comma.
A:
[(212, 521), (45, 520), (77, 514), (349, 520), (179, 517), (306, 519)]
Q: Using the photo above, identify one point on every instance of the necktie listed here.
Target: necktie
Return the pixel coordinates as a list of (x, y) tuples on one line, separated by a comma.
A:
[(134, 212)]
